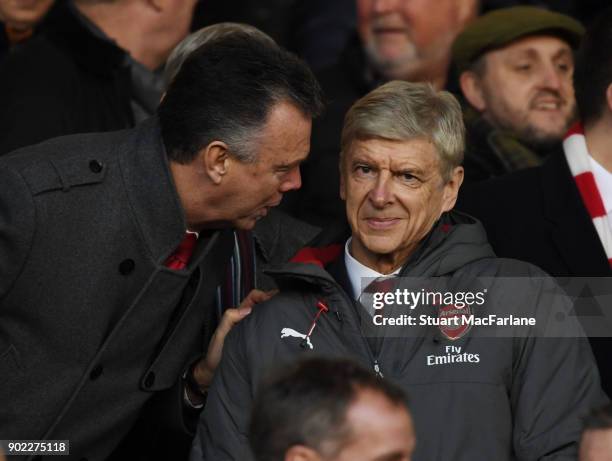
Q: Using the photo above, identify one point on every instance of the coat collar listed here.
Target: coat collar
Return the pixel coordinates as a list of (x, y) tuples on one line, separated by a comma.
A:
[(151, 191), (278, 236), (572, 228)]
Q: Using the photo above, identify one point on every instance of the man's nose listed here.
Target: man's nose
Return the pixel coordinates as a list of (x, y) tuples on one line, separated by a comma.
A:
[(551, 77), (381, 193), (384, 6), (292, 181)]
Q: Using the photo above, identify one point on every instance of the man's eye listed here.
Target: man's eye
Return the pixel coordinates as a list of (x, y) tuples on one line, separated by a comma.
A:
[(363, 169), (564, 67), (407, 177), (523, 67)]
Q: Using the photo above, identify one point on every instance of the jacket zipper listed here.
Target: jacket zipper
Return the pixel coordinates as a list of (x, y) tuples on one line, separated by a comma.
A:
[(377, 368), (374, 361)]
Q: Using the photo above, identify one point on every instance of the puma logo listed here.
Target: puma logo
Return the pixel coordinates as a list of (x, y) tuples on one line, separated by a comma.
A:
[(290, 332)]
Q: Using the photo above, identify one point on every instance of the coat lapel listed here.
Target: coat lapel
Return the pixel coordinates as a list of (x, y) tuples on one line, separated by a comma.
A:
[(151, 191)]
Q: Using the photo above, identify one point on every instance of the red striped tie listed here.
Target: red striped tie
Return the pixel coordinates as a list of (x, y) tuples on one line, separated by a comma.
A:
[(180, 258)]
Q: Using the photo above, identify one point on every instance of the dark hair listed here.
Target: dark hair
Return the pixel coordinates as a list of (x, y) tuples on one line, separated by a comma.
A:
[(593, 68), (224, 91), (600, 418), (307, 403)]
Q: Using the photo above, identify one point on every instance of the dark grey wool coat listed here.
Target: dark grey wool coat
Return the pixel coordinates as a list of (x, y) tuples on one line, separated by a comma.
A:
[(92, 324)]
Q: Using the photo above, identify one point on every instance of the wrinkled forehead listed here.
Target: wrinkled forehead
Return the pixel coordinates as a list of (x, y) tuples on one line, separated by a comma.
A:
[(536, 45), (418, 152)]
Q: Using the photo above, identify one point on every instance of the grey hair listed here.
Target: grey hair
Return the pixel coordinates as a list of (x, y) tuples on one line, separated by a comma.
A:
[(198, 38), (402, 111)]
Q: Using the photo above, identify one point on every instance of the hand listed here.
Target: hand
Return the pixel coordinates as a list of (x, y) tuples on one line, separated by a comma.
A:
[(204, 370)]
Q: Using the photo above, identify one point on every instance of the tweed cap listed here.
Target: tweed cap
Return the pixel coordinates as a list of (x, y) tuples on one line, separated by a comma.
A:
[(498, 28)]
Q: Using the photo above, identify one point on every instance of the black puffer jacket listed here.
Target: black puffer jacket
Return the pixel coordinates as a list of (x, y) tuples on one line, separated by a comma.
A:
[(522, 398)]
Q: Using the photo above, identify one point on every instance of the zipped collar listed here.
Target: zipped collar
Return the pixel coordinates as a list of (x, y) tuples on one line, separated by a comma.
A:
[(455, 240)]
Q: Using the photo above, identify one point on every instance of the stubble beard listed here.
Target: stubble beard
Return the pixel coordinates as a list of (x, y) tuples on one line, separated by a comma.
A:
[(533, 136)]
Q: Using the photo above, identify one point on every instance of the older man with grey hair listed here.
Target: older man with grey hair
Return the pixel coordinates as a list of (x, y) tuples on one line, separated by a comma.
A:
[(517, 395), (395, 40)]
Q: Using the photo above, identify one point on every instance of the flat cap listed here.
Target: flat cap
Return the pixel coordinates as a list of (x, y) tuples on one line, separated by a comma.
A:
[(498, 28)]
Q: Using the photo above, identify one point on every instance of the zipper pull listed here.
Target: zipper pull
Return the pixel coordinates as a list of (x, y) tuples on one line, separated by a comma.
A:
[(377, 369)]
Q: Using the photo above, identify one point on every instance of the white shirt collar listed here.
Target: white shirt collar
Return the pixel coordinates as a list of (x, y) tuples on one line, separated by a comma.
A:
[(357, 271), (603, 179)]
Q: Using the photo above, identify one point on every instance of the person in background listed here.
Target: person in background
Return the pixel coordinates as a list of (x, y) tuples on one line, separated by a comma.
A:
[(101, 62), (321, 30), (515, 72), (404, 41), (333, 410), (18, 20), (596, 442), (396, 40), (558, 216)]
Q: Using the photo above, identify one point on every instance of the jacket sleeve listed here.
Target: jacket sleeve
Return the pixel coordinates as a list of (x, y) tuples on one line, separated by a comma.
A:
[(17, 218), (555, 384), (222, 432)]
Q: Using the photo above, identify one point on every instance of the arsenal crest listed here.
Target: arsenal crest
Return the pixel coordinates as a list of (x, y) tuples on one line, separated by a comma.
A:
[(454, 322)]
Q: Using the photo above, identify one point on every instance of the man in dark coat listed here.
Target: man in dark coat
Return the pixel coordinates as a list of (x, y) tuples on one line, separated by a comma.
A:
[(515, 73), (91, 67), (276, 237), (397, 40), (111, 245), (557, 215)]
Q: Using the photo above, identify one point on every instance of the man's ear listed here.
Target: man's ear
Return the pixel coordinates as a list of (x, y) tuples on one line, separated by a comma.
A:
[(609, 97), (214, 158), (471, 87), (301, 453), (451, 189), (466, 11)]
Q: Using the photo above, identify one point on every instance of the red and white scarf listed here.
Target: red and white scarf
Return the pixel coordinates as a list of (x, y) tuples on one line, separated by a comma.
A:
[(578, 159)]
